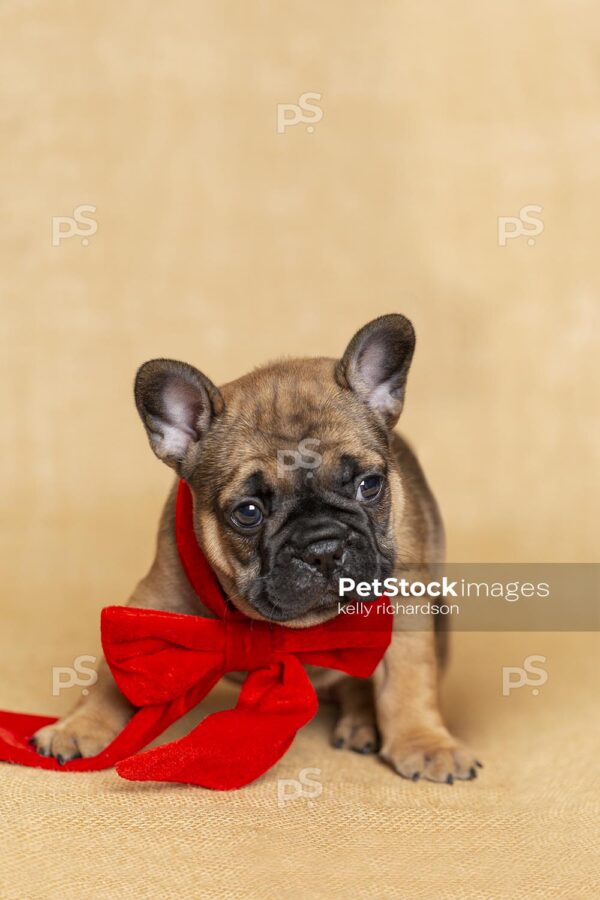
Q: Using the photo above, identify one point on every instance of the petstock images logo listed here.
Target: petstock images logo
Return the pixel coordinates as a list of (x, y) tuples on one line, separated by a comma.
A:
[(486, 597)]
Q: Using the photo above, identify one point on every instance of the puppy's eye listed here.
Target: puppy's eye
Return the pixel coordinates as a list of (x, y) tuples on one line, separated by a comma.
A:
[(369, 488), (247, 515)]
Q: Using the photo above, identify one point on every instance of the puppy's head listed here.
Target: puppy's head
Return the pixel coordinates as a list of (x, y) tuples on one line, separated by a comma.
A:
[(290, 467)]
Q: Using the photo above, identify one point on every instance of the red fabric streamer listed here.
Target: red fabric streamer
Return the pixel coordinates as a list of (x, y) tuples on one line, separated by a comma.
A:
[(165, 663)]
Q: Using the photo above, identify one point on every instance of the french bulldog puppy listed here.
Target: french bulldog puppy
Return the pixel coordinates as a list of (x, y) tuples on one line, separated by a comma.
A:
[(280, 536)]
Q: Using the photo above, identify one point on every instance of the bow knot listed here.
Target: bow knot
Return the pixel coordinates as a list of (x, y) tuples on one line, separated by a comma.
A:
[(249, 645)]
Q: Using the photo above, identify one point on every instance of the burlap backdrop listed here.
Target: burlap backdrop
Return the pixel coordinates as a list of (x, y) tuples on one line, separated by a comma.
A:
[(221, 241)]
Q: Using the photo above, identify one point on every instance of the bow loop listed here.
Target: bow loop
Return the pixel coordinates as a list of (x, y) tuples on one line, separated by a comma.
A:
[(156, 657)]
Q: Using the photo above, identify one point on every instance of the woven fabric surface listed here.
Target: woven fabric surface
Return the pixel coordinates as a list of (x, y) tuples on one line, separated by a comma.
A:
[(527, 828)]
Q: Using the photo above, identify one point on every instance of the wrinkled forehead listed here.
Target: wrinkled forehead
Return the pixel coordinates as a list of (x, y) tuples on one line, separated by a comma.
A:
[(288, 423), (280, 463)]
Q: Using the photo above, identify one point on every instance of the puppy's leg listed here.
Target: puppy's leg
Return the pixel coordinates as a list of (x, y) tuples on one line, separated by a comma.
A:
[(356, 728), (94, 722), (99, 717), (415, 741)]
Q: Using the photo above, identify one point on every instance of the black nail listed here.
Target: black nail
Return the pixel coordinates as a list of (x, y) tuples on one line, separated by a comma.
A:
[(450, 779), (480, 764), (60, 759), (473, 772), (339, 742), (415, 776), (32, 742)]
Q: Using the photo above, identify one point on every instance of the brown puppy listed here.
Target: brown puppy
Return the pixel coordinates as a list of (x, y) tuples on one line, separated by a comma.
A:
[(298, 480)]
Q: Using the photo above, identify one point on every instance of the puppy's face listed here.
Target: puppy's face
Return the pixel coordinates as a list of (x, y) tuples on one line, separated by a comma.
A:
[(290, 468), (293, 492)]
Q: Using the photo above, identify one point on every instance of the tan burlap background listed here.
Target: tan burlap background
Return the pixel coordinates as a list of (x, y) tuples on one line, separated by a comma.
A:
[(224, 242)]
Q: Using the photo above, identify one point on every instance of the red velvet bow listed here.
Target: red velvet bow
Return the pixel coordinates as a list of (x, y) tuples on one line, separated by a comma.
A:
[(165, 663)]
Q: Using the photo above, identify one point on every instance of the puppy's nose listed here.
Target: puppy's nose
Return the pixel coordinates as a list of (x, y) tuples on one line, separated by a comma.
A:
[(323, 555)]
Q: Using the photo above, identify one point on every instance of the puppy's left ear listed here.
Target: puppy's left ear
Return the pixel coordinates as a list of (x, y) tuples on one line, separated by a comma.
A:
[(376, 363)]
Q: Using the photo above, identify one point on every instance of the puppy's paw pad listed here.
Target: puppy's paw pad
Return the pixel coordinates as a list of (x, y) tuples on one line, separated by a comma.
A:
[(364, 739), (72, 737), (356, 734), (442, 760)]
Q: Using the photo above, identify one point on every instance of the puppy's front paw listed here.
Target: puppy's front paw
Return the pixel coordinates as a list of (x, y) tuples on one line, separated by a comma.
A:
[(356, 731), (74, 736), (430, 755)]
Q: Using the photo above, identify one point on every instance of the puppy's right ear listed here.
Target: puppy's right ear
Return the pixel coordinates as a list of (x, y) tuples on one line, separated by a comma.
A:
[(177, 404)]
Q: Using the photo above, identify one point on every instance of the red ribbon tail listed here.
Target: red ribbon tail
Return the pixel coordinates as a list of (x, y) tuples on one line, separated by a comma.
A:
[(232, 748)]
